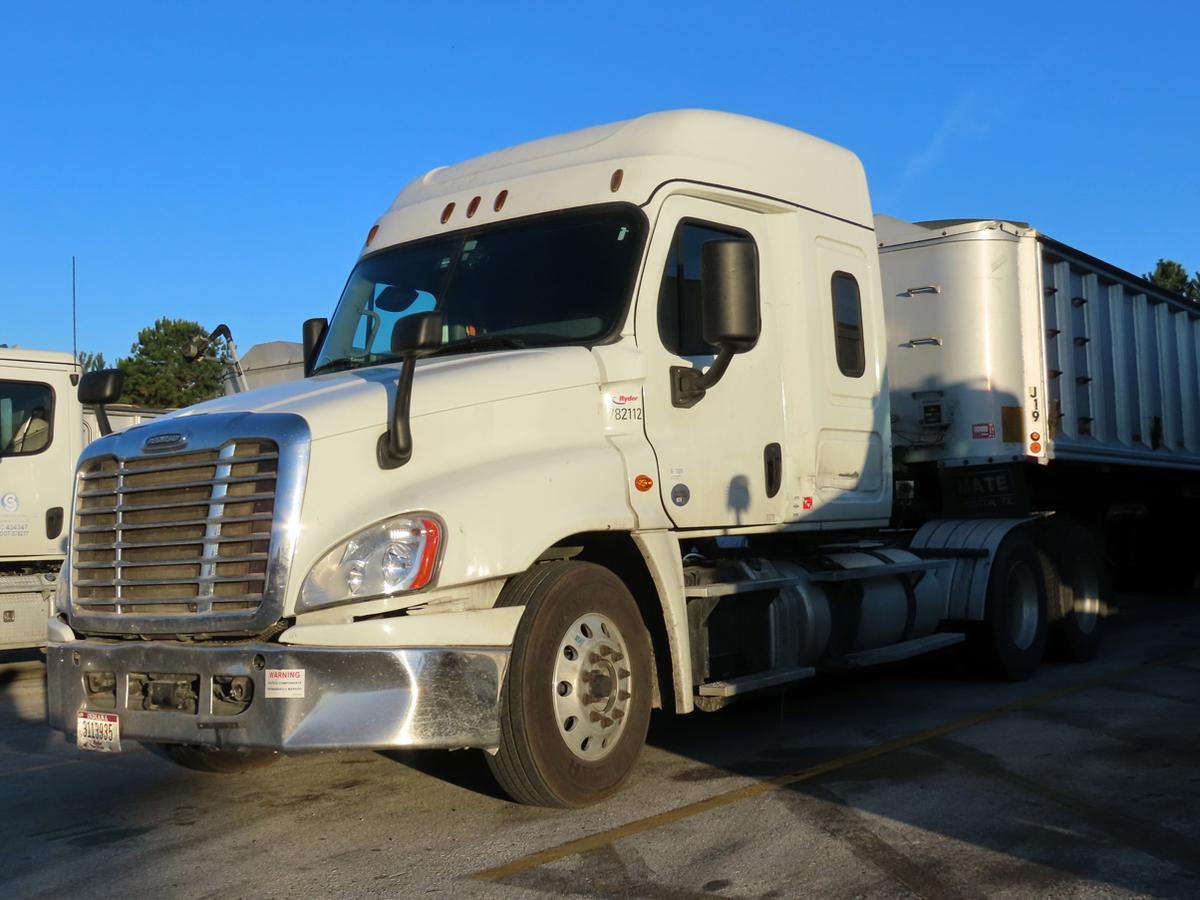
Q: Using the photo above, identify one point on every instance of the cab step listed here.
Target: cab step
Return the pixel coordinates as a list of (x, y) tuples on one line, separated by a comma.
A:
[(745, 684)]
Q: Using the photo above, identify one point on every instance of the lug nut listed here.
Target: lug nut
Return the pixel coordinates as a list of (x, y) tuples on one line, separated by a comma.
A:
[(618, 714), (622, 673), (593, 658), (623, 695), (594, 716), (606, 721)]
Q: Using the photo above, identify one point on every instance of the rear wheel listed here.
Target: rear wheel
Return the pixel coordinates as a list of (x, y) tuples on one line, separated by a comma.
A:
[(200, 758), (575, 704), (1076, 592), (1011, 641)]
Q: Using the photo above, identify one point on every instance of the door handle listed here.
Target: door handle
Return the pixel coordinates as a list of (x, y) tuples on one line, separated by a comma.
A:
[(773, 468)]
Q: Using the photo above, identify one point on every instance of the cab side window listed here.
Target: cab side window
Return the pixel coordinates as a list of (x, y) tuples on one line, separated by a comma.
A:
[(679, 310), (847, 325), (26, 417)]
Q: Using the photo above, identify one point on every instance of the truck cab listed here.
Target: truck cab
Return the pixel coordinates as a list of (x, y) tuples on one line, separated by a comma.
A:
[(599, 423)]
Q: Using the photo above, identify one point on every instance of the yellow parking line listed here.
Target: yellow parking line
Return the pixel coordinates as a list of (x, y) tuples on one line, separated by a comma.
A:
[(639, 826)]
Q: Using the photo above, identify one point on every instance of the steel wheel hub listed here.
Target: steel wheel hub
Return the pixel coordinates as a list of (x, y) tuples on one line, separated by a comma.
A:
[(592, 686)]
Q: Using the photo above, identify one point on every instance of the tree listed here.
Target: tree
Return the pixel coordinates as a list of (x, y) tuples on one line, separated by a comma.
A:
[(158, 375), (1172, 276), (90, 362)]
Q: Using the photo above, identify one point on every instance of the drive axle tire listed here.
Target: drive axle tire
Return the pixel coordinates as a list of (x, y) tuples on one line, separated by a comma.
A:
[(201, 758), (1076, 593), (575, 704), (1011, 641)]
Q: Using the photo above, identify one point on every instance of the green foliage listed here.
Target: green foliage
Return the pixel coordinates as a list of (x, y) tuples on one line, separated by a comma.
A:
[(1172, 276), (158, 375), (90, 362)]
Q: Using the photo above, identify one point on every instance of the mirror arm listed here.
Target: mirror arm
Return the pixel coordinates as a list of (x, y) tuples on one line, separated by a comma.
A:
[(688, 385), (395, 445), (102, 420)]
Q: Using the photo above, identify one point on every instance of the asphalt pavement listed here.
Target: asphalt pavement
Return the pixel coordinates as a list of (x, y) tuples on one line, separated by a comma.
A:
[(913, 780)]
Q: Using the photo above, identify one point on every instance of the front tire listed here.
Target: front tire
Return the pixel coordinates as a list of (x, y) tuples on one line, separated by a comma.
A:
[(575, 704)]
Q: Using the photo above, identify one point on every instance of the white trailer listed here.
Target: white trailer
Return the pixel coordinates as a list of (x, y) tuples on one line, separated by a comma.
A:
[(43, 429), (600, 423)]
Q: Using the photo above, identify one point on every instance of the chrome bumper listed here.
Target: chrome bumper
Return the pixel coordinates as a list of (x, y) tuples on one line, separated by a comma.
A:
[(354, 698)]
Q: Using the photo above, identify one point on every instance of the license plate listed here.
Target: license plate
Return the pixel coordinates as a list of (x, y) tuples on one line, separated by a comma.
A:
[(98, 731)]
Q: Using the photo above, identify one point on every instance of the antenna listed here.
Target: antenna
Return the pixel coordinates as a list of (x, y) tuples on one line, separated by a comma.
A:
[(74, 330)]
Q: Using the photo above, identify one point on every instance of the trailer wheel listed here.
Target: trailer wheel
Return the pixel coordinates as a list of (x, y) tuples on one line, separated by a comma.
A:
[(1076, 593), (202, 758), (1011, 641), (575, 704)]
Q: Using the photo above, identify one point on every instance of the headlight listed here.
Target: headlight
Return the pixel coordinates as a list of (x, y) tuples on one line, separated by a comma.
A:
[(390, 557)]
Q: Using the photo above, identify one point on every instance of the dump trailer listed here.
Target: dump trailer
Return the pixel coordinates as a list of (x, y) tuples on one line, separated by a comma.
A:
[(43, 428), (600, 423), (1028, 376)]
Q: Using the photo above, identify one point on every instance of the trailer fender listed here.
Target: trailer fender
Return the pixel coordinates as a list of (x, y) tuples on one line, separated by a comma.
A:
[(968, 577)]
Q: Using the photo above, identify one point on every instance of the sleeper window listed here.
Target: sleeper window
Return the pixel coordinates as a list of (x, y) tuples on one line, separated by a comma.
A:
[(679, 309), (847, 325)]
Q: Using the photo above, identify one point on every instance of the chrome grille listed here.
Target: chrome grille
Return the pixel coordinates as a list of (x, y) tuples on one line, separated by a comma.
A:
[(175, 534)]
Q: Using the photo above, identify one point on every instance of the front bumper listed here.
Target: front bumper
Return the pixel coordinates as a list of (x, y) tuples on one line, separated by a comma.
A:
[(353, 698)]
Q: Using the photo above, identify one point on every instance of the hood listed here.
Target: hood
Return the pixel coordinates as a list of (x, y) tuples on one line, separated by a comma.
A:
[(341, 402)]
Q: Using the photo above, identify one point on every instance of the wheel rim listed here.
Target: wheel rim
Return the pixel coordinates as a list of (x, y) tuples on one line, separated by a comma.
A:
[(1085, 607), (592, 686), (1023, 613)]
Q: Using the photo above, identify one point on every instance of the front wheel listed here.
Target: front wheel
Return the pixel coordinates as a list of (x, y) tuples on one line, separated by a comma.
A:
[(575, 705)]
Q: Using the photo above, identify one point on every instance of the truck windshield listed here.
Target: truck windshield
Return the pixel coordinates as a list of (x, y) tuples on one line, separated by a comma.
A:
[(564, 278), (26, 414)]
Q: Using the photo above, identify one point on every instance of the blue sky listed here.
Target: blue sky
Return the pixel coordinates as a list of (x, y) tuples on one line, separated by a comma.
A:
[(222, 162)]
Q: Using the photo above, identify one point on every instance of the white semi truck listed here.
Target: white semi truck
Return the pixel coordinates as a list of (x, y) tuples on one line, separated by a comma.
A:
[(653, 414), (43, 428)]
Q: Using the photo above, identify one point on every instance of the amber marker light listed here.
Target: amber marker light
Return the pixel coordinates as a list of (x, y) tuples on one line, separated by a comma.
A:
[(371, 235), (643, 483), (473, 206), (614, 183), (1035, 447), (1034, 436), (447, 213), (500, 198)]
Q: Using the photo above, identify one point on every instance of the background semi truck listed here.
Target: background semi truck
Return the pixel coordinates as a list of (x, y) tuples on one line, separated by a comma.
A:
[(654, 414), (43, 428)]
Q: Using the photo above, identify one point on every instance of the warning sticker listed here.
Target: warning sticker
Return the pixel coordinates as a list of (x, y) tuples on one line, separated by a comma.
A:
[(285, 683), (983, 431)]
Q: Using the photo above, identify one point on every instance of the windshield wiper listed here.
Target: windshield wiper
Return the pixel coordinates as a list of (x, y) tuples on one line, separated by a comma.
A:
[(337, 365), (481, 342)]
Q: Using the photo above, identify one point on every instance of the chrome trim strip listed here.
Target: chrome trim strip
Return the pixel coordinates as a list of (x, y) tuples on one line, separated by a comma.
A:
[(204, 432), (354, 697)]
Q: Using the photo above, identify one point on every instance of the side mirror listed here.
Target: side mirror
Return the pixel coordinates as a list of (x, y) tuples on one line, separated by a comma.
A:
[(729, 314), (729, 294), (313, 334), (414, 336), (417, 332), (98, 388)]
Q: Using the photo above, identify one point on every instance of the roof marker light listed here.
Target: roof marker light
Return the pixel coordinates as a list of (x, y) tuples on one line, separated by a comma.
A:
[(473, 206), (614, 184), (500, 198), (371, 235), (447, 213)]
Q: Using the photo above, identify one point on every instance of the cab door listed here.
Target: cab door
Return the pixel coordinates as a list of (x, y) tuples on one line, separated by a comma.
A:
[(720, 460), (853, 472)]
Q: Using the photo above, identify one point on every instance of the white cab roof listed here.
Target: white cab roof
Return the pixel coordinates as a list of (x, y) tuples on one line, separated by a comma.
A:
[(46, 357), (703, 146)]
